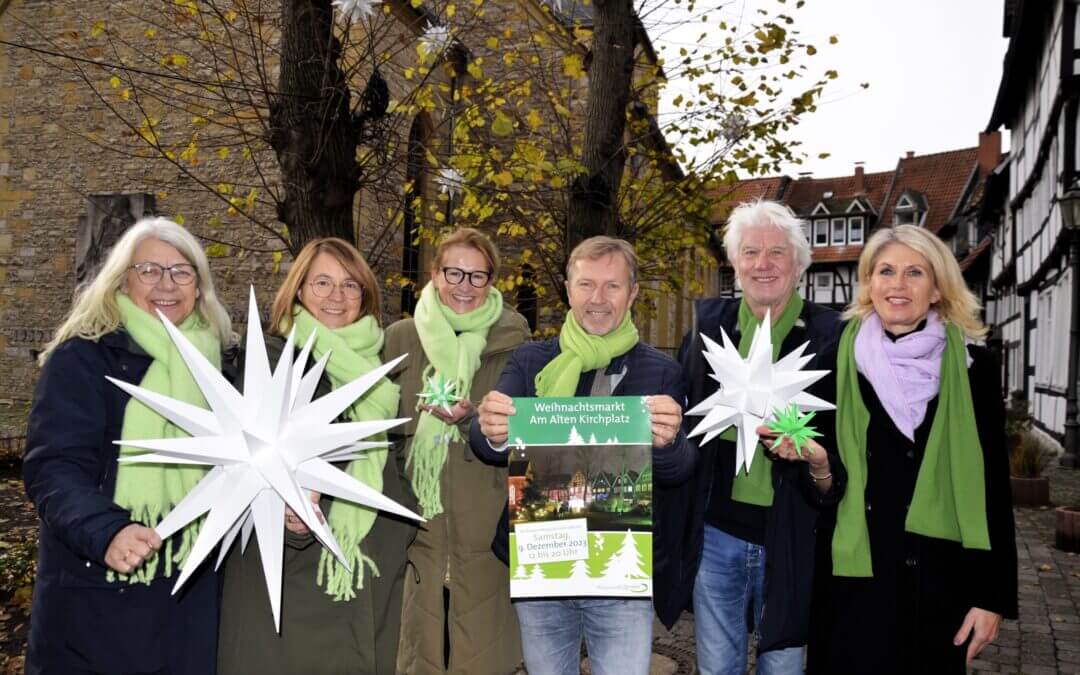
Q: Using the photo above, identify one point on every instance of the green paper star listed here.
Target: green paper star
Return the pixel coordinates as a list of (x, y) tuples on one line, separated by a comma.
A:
[(792, 423), (440, 393)]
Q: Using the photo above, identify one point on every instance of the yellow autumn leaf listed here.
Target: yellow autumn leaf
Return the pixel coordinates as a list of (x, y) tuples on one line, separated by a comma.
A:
[(502, 125), (503, 179), (416, 3), (114, 82), (126, 94), (223, 153), (277, 261), (534, 120), (98, 29), (451, 9), (492, 43), (573, 66), (230, 15), (150, 33), (475, 70), (408, 73), (178, 219)]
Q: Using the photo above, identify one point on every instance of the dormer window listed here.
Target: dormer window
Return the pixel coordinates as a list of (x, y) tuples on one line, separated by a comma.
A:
[(855, 230), (821, 232), (908, 211)]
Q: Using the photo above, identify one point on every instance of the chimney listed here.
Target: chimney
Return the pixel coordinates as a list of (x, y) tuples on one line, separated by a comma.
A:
[(989, 153), (860, 179), (910, 154)]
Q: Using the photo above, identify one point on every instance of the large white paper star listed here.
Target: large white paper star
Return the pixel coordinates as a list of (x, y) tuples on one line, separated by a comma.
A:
[(267, 446), (753, 389)]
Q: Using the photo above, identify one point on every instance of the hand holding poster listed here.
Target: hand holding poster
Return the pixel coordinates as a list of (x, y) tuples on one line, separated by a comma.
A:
[(580, 497)]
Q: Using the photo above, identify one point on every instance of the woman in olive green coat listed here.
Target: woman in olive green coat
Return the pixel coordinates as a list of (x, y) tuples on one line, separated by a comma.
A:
[(333, 620), (458, 343)]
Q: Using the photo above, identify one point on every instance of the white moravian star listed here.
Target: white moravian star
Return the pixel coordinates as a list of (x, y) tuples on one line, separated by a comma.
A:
[(753, 389), (267, 446)]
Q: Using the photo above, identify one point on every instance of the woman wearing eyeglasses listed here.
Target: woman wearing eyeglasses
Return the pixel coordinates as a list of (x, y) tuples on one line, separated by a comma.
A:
[(333, 619), (103, 598), (457, 615)]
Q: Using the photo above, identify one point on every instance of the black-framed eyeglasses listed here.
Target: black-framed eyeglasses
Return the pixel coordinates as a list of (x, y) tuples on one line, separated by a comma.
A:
[(151, 273), (477, 278), (324, 287)]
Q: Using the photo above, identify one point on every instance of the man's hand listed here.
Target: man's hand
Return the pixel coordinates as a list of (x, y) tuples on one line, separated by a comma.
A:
[(666, 418), (494, 411), (130, 548), (294, 524)]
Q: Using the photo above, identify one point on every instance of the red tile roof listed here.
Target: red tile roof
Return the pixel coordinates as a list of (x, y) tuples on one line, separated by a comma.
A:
[(974, 253), (940, 178), (727, 197), (829, 254), (805, 193)]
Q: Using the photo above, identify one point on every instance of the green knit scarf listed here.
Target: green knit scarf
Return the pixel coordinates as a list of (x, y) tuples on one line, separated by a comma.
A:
[(580, 352), (150, 491), (950, 494), (354, 351), (756, 486), (453, 344)]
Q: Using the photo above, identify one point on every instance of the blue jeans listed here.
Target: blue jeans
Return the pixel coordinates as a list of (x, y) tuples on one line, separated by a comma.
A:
[(617, 631), (728, 601)]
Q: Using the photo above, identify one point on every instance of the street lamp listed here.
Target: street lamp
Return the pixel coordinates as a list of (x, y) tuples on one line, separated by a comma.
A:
[(1069, 203)]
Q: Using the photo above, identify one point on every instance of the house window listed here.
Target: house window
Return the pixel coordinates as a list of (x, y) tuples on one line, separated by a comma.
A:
[(855, 230), (806, 229), (726, 281), (823, 280), (904, 217), (821, 233), (838, 232)]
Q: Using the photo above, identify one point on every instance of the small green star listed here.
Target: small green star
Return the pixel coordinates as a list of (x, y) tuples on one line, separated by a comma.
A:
[(792, 423), (440, 392)]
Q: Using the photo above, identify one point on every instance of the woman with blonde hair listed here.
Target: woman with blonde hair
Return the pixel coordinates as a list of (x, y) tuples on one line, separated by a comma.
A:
[(333, 619), (103, 594), (921, 556), (457, 615)]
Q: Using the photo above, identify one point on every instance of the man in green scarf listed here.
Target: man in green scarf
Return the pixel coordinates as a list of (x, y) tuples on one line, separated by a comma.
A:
[(597, 353), (736, 521)]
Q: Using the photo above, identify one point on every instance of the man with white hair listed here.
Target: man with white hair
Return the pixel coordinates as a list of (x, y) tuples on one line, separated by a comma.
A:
[(747, 538)]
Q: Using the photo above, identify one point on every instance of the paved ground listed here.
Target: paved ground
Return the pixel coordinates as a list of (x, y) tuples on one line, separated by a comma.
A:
[(1046, 639)]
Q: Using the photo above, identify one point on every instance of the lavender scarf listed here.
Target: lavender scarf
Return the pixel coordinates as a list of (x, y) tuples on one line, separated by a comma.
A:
[(905, 374)]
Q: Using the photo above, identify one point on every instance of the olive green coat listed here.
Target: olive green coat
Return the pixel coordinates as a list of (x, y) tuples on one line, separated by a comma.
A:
[(453, 549), (318, 635)]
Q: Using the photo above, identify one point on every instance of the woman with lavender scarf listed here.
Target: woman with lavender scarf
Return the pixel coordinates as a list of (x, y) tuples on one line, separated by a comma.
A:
[(918, 566)]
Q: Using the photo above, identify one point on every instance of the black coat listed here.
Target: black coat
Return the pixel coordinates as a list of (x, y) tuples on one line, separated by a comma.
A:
[(792, 518), (922, 587), (648, 372), (81, 622)]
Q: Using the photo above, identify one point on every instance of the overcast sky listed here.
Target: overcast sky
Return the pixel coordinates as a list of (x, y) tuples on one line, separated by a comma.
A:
[(933, 67)]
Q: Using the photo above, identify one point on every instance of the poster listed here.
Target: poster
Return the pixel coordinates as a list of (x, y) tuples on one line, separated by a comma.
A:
[(580, 497)]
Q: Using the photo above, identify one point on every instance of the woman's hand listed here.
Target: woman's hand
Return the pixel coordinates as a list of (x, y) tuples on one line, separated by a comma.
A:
[(131, 547), (813, 454), (456, 414), (294, 524), (665, 416), (982, 625)]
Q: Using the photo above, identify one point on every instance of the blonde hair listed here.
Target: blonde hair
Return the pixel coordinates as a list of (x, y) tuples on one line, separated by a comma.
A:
[(95, 313), (281, 314), (467, 236), (958, 305), (595, 248)]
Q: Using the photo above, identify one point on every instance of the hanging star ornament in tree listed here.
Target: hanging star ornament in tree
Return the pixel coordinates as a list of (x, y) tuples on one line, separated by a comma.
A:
[(440, 393), (267, 447), (354, 10), (792, 424), (752, 390)]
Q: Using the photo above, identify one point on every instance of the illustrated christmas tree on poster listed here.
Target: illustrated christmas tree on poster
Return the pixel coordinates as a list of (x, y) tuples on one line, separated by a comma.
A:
[(575, 437), (537, 573), (580, 570), (521, 573), (626, 563)]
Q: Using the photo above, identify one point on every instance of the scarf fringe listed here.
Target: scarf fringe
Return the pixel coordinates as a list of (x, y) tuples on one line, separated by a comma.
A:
[(426, 464), (340, 582)]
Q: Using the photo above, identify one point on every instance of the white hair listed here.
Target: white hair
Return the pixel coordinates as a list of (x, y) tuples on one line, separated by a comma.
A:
[(95, 312), (763, 212)]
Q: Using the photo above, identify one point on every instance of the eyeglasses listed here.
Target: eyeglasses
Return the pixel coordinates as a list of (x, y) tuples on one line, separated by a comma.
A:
[(151, 273), (323, 287), (477, 278)]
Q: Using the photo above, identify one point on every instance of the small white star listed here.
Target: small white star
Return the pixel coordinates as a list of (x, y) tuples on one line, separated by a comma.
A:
[(354, 10)]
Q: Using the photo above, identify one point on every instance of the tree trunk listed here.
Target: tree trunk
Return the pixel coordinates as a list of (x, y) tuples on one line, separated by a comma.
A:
[(593, 209), (311, 128)]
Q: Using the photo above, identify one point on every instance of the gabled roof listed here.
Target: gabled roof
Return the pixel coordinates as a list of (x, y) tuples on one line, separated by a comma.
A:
[(806, 193), (728, 197), (939, 178)]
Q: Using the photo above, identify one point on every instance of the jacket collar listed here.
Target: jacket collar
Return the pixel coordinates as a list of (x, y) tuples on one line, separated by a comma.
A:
[(121, 339)]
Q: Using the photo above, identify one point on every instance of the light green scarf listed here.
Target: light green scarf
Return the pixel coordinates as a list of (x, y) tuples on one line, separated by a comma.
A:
[(354, 351), (580, 352), (150, 491), (453, 344), (950, 493), (756, 486)]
